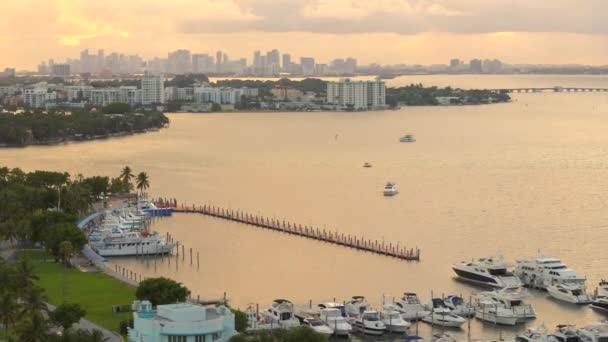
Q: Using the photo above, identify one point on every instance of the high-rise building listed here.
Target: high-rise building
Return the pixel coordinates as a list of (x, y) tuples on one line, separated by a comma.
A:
[(454, 63), (308, 66), (202, 63), (60, 70), (273, 60), (101, 60), (152, 89), (357, 95), (492, 66), (219, 61), (286, 66), (8, 72), (180, 62), (476, 66)]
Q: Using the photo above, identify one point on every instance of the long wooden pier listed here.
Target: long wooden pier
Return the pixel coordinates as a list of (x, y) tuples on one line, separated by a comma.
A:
[(334, 237)]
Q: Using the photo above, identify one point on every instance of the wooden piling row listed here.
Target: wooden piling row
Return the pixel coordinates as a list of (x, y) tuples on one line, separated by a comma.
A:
[(334, 237)]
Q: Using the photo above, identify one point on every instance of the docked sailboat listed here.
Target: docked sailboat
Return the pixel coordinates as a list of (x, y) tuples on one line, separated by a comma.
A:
[(489, 271)]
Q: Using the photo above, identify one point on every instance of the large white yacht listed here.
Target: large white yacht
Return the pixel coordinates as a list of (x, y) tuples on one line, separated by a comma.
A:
[(410, 307), (600, 304), (118, 242), (390, 189), (508, 302), (596, 332), (541, 272), (281, 314), (574, 293), (490, 271)]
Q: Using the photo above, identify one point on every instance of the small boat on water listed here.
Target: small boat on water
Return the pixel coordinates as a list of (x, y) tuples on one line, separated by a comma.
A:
[(570, 292), (410, 307), (502, 306), (390, 189), (332, 317), (281, 314), (602, 289), (356, 306), (369, 323), (596, 332), (393, 320), (407, 138), (367, 164), (318, 326)]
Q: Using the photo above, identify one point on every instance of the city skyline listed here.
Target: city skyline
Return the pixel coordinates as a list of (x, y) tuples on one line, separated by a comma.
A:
[(379, 31)]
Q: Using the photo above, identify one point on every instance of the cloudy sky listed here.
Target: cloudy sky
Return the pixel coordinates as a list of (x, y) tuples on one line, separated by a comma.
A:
[(382, 31)]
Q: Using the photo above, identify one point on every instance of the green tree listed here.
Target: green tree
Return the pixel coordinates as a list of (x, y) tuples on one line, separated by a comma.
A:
[(66, 250), (60, 232), (65, 315), (241, 321), (117, 108), (24, 276), (9, 310), (143, 182), (33, 301), (33, 329), (161, 291), (126, 176)]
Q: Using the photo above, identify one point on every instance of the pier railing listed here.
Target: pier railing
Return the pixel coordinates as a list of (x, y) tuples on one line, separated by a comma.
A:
[(394, 250)]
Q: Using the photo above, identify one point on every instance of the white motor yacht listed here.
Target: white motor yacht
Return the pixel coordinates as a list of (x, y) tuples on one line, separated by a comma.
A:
[(509, 302), (356, 306), (442, 315), (596, 332), (490, 271), (444, 337), (602, 289), (541, 272), (408, 138), (390, 189), (318, 326), (410, 307), (281, 314), (369, 323), (570, 292), (333, 318), (488, 310), (458, 306), (128, 243), (535, 334), (392, 319), (600, 304)]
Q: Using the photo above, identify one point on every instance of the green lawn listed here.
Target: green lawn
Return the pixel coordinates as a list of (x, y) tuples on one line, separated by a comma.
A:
[(96, 292)]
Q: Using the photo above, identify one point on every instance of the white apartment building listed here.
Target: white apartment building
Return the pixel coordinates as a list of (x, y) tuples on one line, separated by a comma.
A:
[(38, 97), (206, 94), (152, 87), (78, 93), (125, 94), (358, 95)]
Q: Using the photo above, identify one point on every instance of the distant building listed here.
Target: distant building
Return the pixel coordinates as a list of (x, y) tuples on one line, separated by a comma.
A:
[(60, 70), (454, 63), (180, 62), (221, 96), (286, 67), (476, 66), (152, 89), (285, 93), (358, 95), (78, 93), (8, 72), (492, 66), (202, 63), (38, 96), (308, 66), (181, 322)]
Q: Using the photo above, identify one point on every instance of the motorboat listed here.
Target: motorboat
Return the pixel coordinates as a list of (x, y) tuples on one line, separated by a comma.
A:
[(390, 189), (570, 292), (602, 289), (442, 315), (507, 303), (444, 337), (128, 243), (281, 314), (489, 271), (333, 318), (410, 307), (318, 326), (408, 138), (458, 306), (541, 272), (596, 332), (369, 323), (392, 319), (600, 304), (356, 306), (535, 334), (367, 164), (566, 333), (333, 305)]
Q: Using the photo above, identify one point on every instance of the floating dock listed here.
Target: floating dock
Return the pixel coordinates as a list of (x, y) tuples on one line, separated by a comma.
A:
[(334, 237)]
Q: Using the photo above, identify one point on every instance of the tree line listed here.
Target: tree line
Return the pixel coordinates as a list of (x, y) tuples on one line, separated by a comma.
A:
[(419, 95)]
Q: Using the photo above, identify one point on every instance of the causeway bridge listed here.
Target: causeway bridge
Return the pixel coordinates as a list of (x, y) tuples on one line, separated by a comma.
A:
[(393, 250), (556, 89)]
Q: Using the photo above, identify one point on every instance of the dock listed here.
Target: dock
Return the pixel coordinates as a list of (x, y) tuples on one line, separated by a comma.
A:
[(394, 250)]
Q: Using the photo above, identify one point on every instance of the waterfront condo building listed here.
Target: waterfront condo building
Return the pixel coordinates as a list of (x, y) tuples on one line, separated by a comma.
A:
[(152, 89), (181, 322), (358, 95)]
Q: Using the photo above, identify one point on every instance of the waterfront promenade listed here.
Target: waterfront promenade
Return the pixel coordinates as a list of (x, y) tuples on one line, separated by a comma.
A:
[(394, 250)]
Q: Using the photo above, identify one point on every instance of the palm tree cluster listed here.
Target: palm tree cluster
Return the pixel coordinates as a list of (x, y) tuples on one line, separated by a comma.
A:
[(142, 181), (24, 314)]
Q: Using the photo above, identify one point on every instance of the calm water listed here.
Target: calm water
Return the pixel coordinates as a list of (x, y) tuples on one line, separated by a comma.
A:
[(510, 178)]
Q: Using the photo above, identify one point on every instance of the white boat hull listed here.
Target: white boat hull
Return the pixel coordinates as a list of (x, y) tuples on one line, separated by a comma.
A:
[(369, 328), (396, 328), (569, 298), (132, 250), (492, 318), (443, 322)]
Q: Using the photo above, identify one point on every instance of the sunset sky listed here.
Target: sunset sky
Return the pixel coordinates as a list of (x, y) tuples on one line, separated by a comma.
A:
[(381, 31)]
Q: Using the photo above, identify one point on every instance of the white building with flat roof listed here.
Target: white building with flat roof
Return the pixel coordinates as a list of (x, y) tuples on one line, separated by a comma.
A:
[(182, 322), (358, 95), (152, 88), (38, 97)]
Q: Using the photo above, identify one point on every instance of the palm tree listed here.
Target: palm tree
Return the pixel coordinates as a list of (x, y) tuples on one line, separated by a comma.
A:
[(34, 329), (66, 250), (33, 302), (126, 175), (24, 276), (142, 181), (9, 310)]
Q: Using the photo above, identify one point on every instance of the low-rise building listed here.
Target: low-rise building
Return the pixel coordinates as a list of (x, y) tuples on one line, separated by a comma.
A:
[(286, 93), (38, 97), (181, 322)]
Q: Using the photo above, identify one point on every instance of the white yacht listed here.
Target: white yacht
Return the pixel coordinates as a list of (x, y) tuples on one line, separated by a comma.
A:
[(596, 332), (410, 307), (600, 304), (458, 306), (570, 292), (369, 323), (442, 315), (488, 310), (408, 138), (541, 272), (390, 189), (509, 300), (535, 334), (490, 271), (333, 318), (118, 242), (356, 306), (566, 333), (318, 326), (281, 314), (602, 289), (392, 319)]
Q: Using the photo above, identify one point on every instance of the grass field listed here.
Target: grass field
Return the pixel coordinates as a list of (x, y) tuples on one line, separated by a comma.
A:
[(96, 292)]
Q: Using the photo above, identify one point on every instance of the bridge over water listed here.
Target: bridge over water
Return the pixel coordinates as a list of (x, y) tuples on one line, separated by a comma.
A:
[(556, 89)]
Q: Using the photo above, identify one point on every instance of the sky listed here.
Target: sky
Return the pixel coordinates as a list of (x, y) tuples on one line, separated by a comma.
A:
[(374, 31)]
